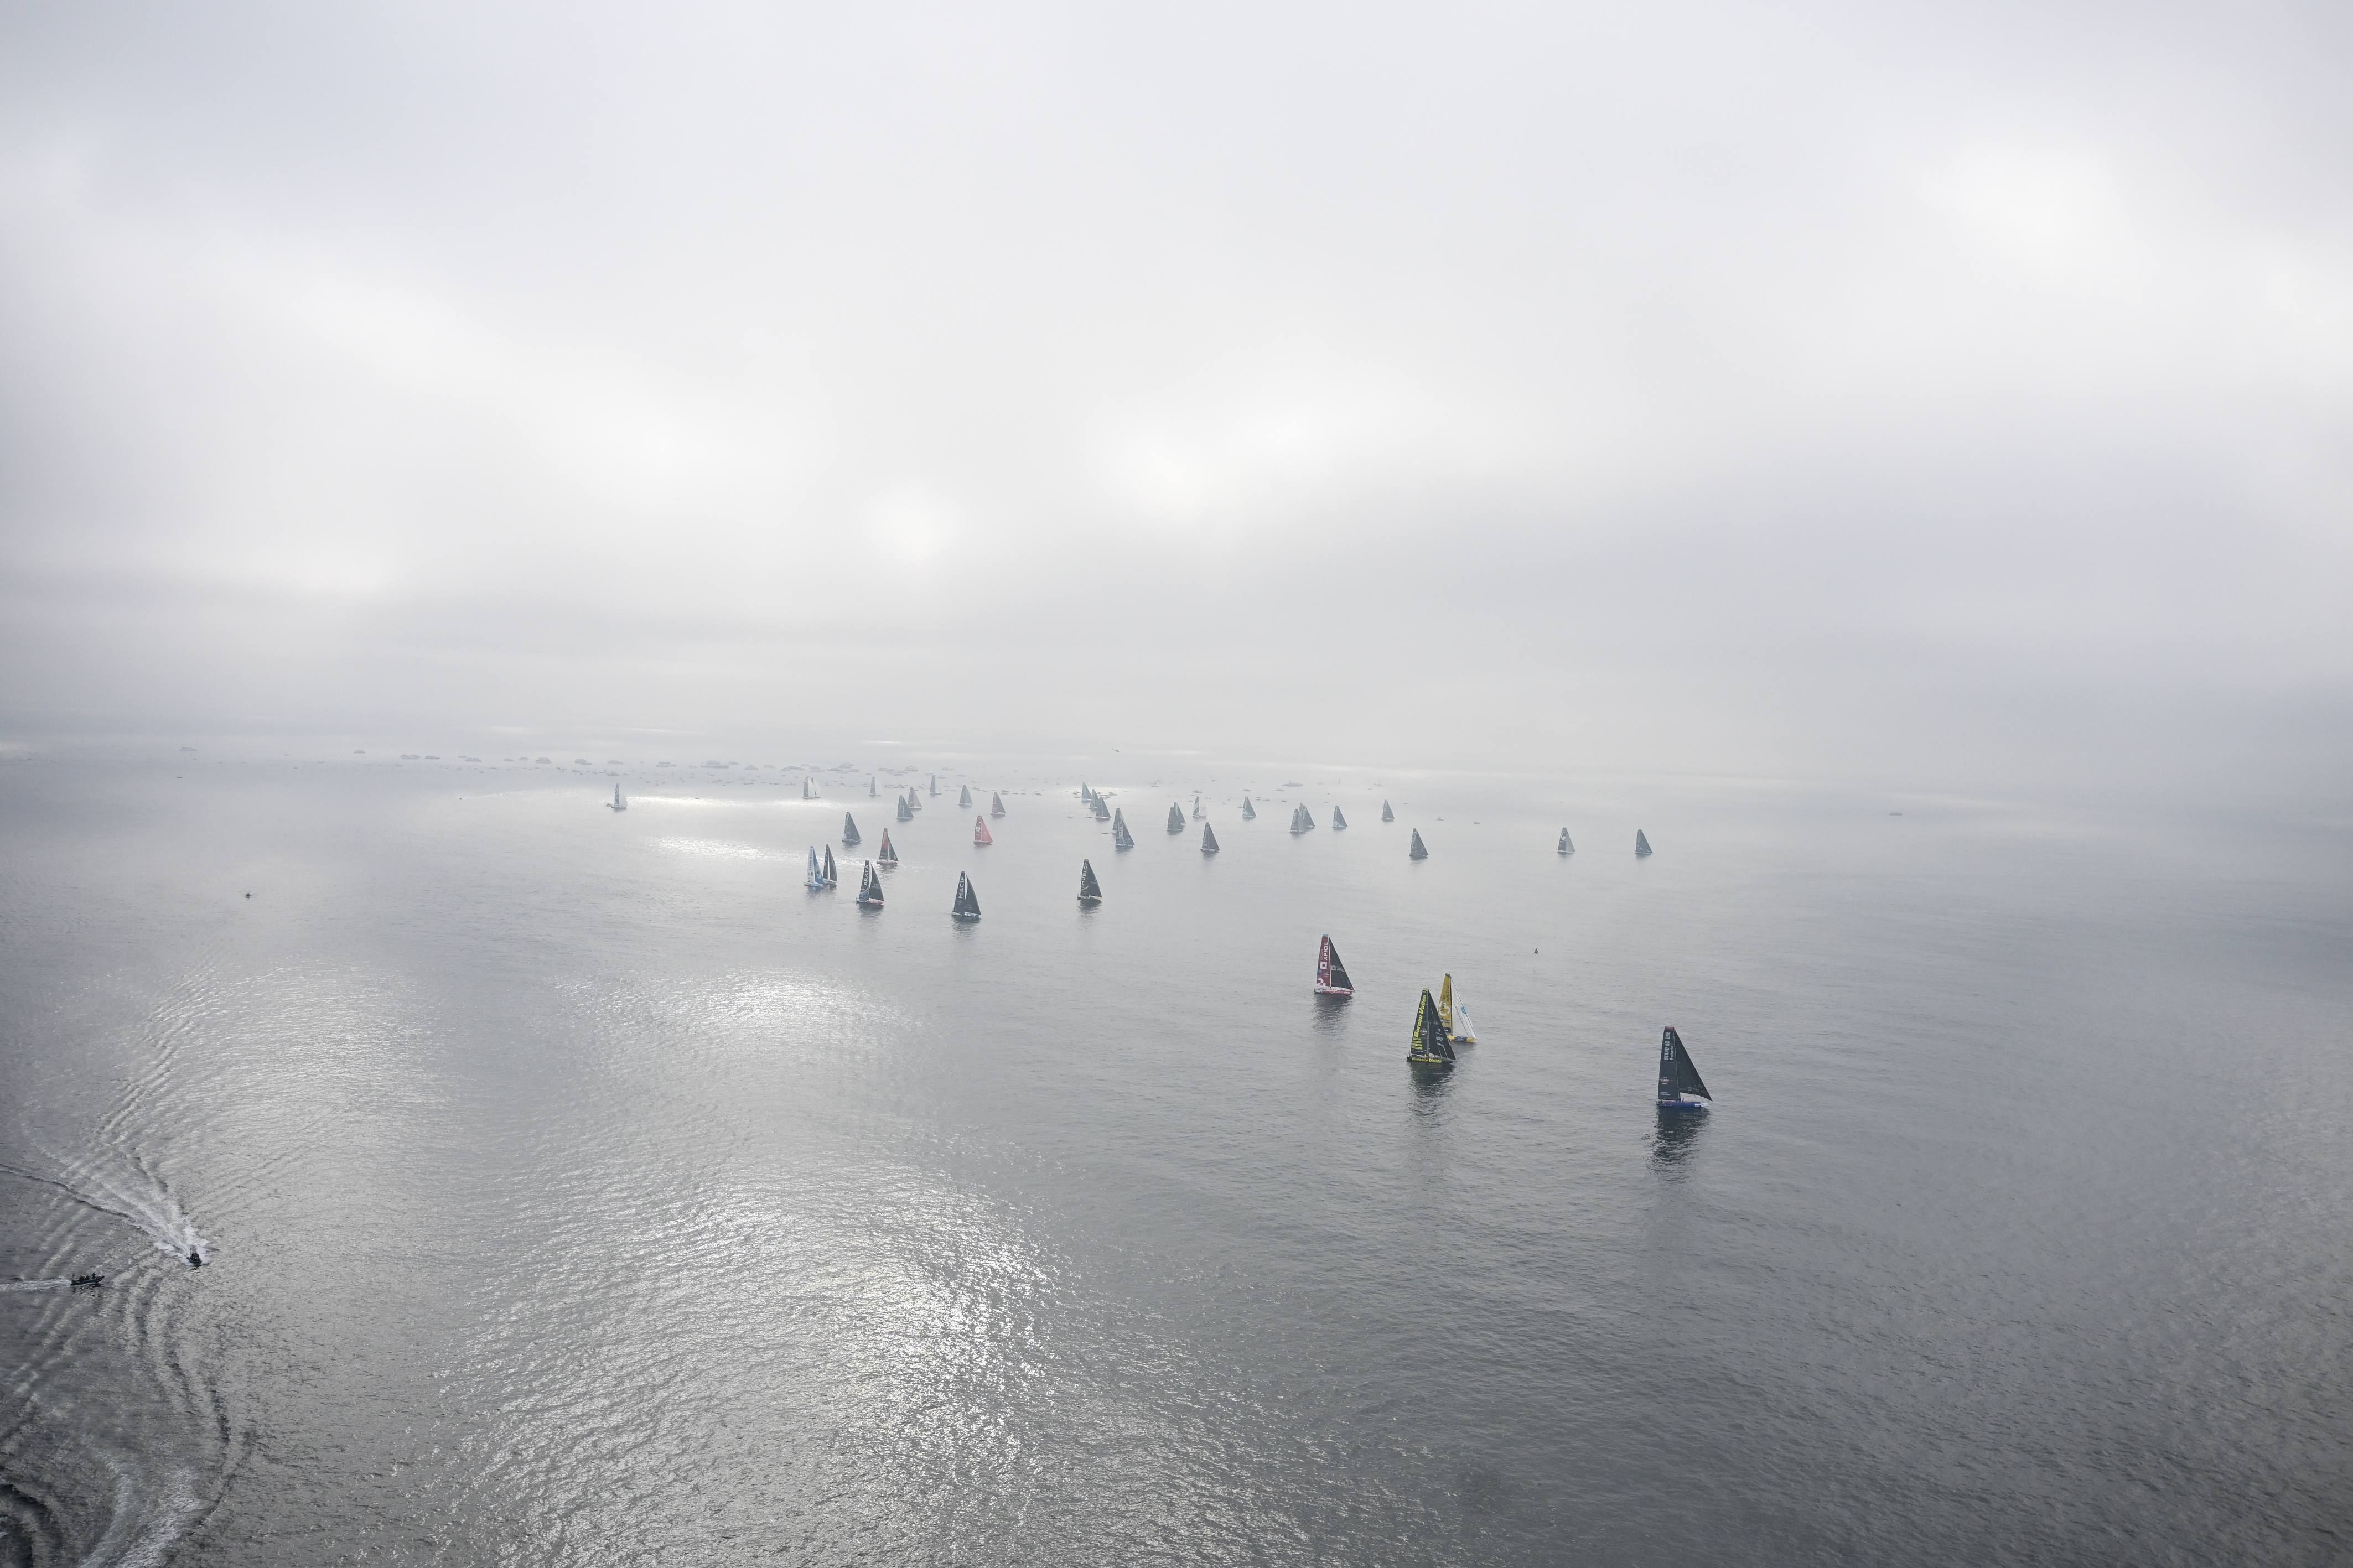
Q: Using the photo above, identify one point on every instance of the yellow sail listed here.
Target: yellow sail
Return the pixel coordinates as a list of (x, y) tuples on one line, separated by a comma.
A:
[(1446, 1005)]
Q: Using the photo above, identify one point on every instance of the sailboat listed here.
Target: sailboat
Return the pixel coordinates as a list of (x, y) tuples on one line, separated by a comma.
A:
[(1197, 808), (1331, 974), (980, 830), (1642, 844), (832, 876), (1301, 822), (996, 803), (1102, 812), (817, 872), (1090, 890), (849, 828), (1680, 1088), (1418, 852), (1457, 1020), (1176, 818), (889, 856), (1209, 839), (621, 801), (1121, 839), (1086, 794), (963, 799), (1387, 815), (967, 902), (935, 784), (1338, 821), (1565, 846), (808, 789), (906, 812), (870, 889), (871, 790), (1429, 1047), (1249, 812), (915, 801)]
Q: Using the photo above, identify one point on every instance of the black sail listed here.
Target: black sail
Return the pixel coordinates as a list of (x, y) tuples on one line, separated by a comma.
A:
[(1387, 815), (849, 828), (1209, 839), (964, 797), (1417, 852), (1090, 890), (1677, 1076), (967, 902), (869, 887), (1175, 820), (830, 876), (1428, 1045)]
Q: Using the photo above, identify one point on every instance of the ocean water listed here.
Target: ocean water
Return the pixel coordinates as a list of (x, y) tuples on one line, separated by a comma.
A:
[(577, 1187)]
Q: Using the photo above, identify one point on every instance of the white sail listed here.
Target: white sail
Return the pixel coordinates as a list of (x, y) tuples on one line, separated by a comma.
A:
[(815, 871)]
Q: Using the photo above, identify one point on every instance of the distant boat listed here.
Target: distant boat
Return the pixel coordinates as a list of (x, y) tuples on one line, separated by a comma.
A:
[(1197, 808), (889, 856), (621, 801), (849, 828), (996, 803), (1176, 818), (871, 787), (906, 812), (1429, 1047), (1249, 812), (1301, 822), (1121, 839), (1418, 852), (1642, 844), (980, 830), (1085, 793), (817, 872), (832, 876), (870, 889), (1209, 839), (808, 789), (1090, 890), (1680, 1088), (963, 799), (1338, 821), (1565, 846), (1331, 974), (967, 902), (1387, 815), (935, 784), (1102, 812), (915, 801)]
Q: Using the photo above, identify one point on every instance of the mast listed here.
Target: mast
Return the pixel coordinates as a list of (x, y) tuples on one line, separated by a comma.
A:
[(1387, 815), (1090, 890), (1679, 1086), (980, 830), (1209, 839), (1175, 817), (1417, 852), (996, 803), (849, 828), (889, 856), (1338, 821), (967, 902), (1642, 844), (1121, 839)]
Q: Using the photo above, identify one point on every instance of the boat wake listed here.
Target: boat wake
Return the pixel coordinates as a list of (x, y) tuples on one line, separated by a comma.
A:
[(148, 1204), (36, 1285)]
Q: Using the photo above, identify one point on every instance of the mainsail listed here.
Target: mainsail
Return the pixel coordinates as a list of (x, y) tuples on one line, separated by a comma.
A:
[(1176, 818), (889, 856), (1387, 815), (849, 828), (817, 872), (1456, 1017), (1338, 821), (996, 803), (967, 903), (1209, 839), (1565, 846), (1429, 1047), (1446, 1005), (906, 812), (869, 888), (980, 830), (1417, 852), (1679, 1082), (832, 876), (1642, 844), (1090, 890), (1121, 839), (1331, 974), (963, 799), (1249, 812)]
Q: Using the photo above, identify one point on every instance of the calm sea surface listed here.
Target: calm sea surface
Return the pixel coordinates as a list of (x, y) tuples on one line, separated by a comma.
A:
[(577, 1188)]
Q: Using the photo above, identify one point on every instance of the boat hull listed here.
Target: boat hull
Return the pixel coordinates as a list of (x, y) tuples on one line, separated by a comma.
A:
[(1683, 1105), (1336, 991)]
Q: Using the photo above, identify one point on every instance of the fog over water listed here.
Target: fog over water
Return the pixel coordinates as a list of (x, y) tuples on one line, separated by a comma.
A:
[(1949, 398)]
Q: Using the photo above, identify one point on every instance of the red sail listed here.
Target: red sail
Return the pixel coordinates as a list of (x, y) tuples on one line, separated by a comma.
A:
[(980, 831)]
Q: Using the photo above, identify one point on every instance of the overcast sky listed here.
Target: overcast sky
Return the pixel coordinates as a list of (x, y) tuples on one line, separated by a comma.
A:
[(1934, 395)]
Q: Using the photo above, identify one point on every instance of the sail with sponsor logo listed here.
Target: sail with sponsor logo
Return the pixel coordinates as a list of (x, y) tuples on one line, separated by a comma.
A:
[(870, 889), (967, 902), (832, 876), (1331, 974), (980, 830), (816, 872), (1090, 890), (1679, 1086), (1429, 1046)]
